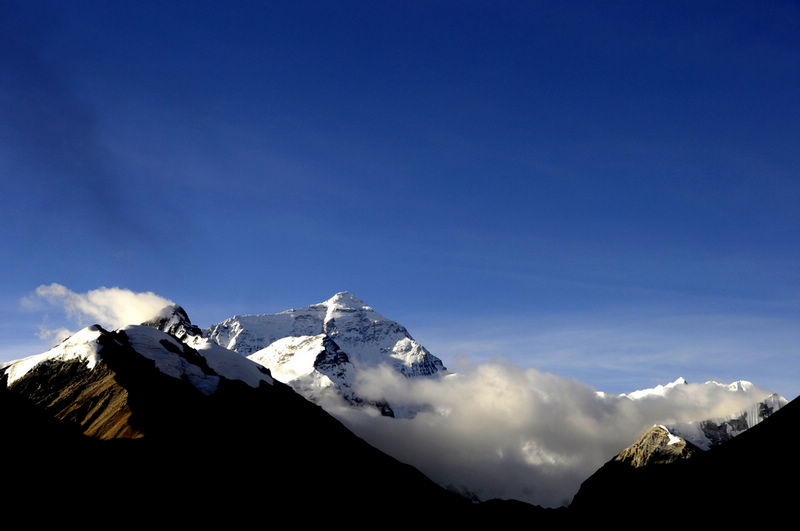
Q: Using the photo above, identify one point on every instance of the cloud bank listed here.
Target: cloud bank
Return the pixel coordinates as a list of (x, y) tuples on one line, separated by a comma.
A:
[(109, 307), (498, 430)]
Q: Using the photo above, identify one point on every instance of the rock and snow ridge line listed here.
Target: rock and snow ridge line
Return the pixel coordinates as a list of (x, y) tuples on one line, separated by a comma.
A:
[(212, 363), (367, 337), (82, 346)]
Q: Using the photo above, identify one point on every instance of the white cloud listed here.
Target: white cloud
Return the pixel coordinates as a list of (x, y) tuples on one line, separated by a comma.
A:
[(109, 307), (498, 430)]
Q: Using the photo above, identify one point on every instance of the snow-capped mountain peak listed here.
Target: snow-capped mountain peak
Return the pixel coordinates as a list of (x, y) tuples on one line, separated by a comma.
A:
[(341, 330), (367, 337), (344, 300)]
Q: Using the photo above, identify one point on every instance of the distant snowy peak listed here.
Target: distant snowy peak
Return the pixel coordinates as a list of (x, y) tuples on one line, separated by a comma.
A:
[(659, 390), (742, 386), (739, 385), (367, 337)]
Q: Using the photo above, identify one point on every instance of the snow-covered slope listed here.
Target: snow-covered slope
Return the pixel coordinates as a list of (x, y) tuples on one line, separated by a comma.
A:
[(314, 365), (204, 370)]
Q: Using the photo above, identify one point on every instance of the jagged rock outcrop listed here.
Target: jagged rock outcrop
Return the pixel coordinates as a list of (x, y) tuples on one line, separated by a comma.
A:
[(657, 446), (174, 321)]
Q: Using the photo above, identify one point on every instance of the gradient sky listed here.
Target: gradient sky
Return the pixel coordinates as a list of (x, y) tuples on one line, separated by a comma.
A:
[(607, 192)]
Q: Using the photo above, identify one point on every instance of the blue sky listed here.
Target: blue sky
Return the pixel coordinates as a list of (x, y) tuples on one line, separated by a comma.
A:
[(606, 192)]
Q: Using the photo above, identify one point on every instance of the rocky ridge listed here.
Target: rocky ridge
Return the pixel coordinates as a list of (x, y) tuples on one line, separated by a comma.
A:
[(656, 446)]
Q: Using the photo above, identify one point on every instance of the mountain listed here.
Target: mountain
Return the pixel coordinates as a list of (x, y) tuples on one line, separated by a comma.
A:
[(617, 487), (133, 426), (752, 406), (656, 446), (319, 347), (747, 479)]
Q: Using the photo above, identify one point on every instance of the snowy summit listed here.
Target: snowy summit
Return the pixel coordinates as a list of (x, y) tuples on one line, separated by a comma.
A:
[(367, 337), (321, 345)]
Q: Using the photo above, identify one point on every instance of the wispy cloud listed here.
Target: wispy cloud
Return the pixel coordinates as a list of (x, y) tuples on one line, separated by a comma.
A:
[(110, 307), (55, 335)]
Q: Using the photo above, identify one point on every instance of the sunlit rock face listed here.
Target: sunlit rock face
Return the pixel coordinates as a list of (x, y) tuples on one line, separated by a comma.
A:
[(656, 446)]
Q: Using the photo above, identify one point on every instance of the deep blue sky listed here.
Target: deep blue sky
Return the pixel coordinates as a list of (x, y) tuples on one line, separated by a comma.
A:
[(607, 192)]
